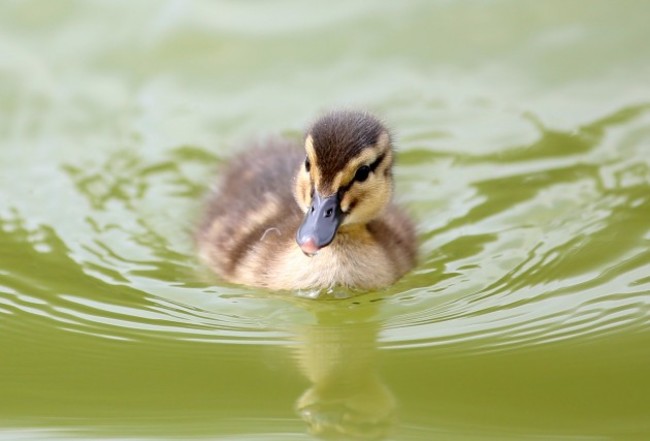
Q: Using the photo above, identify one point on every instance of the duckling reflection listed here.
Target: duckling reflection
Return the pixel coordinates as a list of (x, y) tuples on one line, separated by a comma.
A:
[(347, 398)]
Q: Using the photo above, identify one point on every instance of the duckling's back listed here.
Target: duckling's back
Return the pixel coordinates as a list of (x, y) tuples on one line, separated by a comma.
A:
[(253, 202)]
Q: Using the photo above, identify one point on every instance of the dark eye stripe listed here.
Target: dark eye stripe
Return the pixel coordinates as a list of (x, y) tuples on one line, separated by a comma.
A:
[(365, 170), (378, 161), (372, 167)]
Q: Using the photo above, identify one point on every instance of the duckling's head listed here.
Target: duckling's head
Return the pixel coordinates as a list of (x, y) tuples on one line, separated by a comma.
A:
[(346, 178)]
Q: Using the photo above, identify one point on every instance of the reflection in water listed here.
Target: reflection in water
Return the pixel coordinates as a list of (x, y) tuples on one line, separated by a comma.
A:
[(541, 250), (523, 132), (347, 398)]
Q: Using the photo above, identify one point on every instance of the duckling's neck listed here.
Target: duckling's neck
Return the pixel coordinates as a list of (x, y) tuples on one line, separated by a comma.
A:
[(352, 229), (352, 239)]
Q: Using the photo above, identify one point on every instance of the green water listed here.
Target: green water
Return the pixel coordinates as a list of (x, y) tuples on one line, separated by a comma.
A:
[(523, 131)]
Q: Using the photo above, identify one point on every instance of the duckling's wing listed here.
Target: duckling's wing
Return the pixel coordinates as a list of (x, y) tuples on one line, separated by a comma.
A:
[(258, 177), (253, 201)]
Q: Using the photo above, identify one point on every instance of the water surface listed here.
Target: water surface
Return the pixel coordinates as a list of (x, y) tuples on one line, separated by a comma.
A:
[(523, 132)]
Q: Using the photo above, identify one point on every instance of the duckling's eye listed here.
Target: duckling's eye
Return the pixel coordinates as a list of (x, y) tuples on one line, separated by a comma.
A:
[(307, 165), (362, 173)]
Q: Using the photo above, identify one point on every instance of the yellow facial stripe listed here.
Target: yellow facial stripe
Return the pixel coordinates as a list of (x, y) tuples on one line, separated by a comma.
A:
[(383, 142), (311, 155), (368, 156)]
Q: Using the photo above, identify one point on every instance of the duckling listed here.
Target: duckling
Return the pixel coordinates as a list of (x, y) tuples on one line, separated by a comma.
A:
[(287, 219)]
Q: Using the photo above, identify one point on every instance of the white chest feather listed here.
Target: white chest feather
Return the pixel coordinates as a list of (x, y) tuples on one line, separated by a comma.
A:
[(364, 266)]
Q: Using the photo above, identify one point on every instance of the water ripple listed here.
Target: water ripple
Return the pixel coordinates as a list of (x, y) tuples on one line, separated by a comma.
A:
[(543, 243)]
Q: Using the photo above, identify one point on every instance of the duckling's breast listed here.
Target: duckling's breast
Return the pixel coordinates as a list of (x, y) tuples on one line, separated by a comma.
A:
[(359, 267)]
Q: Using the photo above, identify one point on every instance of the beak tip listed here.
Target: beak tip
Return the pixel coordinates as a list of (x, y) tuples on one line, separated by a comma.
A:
[(308, 246)]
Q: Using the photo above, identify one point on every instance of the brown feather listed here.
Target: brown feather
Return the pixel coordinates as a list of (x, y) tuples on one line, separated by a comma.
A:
[(340, 136), (247, 234)]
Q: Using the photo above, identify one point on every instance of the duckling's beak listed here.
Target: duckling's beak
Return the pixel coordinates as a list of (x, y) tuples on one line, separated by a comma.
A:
[(320, 224)]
